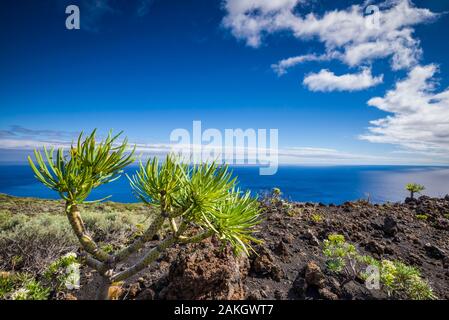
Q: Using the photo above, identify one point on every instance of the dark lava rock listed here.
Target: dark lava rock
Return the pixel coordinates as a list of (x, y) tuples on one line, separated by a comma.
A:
[(264, 264), (313, 275), (390, 226), (279, 295), (409, 200), (147, 294), (288, 238), (313, 240), (374, 247), (442, 223), (355, 291), (281, 250), (326, 294), (434, 252), (254, 295), (207, 274), (299, 286)]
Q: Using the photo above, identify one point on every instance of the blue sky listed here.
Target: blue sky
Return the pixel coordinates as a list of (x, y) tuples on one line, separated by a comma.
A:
[(148, 67)]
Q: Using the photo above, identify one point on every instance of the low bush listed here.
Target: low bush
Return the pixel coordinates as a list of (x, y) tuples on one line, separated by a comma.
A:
[(21, 286), (29, 243), (317, 218), (396, 277)]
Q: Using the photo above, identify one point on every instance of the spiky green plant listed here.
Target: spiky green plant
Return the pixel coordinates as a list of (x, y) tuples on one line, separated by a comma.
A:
[(198, 201), (414, 188)]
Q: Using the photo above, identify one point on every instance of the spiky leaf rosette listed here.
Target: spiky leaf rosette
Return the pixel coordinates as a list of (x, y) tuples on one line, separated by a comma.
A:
[(204, 195), (85, 166)]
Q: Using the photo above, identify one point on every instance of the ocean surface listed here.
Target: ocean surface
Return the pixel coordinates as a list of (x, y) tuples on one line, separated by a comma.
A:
[(333, 184)]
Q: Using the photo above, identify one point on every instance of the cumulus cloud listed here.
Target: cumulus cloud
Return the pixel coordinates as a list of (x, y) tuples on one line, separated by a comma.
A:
[(326, 81), (348, 35), (419, 119)]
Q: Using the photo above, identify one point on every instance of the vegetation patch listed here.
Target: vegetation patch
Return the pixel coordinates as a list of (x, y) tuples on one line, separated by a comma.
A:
[(396, 277)]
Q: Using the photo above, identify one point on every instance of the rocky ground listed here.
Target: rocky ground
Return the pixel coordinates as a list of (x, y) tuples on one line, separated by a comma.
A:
[(290, 264)]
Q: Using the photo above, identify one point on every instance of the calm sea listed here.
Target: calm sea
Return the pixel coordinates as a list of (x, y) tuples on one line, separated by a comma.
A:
[(335, 184)]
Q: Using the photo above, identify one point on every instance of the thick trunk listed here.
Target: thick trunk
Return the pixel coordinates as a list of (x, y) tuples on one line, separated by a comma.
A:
[(86, 241), (140, 242), (103, 289), (150, 256)]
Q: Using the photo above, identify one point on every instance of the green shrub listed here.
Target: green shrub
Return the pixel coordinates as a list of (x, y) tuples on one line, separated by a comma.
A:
[(414, 188), (276, 193), (398, 277), (338, 252), (317, 218), (422, 217), (63, 272), (395, 277), (31, 243), (21, 286), (35, 241)]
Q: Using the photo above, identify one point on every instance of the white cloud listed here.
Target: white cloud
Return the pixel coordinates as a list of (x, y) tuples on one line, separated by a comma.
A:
[(248, 19), (419, 119), (348, 34), (281, 67), (326, 81), (419, 116)]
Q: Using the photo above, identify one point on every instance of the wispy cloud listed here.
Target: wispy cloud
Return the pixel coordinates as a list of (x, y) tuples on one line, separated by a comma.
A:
[(21, 146), (282, 66), (18, 132)]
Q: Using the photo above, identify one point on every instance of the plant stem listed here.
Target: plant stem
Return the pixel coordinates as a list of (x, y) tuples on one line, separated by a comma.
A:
[(153, 228), (87, 243), (151, 256), (173, 225), (103, 290)]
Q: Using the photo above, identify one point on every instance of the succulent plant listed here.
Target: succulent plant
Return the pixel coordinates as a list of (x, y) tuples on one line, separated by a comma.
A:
[(202, 196)]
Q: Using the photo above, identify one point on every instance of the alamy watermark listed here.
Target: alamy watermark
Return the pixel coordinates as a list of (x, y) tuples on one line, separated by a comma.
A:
[(231, 146), (372, 17), (73, 21)]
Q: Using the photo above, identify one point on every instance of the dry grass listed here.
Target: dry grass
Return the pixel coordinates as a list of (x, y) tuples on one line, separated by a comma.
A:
[(35, 232)]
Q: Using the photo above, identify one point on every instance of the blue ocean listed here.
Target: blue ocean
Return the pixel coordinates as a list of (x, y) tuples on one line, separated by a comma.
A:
[(333, 184)]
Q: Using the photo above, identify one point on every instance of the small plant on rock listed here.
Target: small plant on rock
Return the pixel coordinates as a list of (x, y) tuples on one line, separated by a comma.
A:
[(414, 188), (197, 201), (341, 255), (275, 197), (276, 193), (317, 218)]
